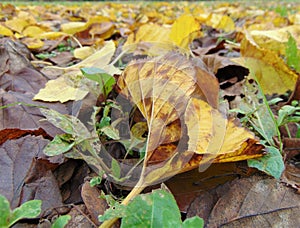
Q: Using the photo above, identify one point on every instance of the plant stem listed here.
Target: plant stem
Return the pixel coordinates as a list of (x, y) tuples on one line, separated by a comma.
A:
[(134, 192)]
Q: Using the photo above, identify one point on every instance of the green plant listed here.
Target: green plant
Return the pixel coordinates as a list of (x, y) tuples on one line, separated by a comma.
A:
[(155, 209), (292, 54), (8, 217), (61, 221)]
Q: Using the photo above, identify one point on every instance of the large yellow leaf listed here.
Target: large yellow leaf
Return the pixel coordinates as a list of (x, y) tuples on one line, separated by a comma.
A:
[(269, 69), (162, 89), (184, 30)]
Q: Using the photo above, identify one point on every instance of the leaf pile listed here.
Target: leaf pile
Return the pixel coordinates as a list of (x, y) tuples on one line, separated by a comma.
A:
[(142, 92)]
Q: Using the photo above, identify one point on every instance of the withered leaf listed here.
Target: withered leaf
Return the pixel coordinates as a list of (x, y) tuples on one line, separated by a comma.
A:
[(16, 159), (25, 114), (258, 201)]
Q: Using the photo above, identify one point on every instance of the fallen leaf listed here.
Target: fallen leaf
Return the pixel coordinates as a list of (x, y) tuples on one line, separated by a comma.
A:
[(267, 67), (17, 157), (95, 204), (258, 201), (184, 30), (60, 90), (83, 52), (276, 39)]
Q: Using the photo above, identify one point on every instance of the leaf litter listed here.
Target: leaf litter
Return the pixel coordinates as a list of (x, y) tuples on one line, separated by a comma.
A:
[(168, 79)]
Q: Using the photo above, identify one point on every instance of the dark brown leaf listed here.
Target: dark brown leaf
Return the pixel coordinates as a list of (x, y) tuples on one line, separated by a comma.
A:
[(15, 161), (95, 205)]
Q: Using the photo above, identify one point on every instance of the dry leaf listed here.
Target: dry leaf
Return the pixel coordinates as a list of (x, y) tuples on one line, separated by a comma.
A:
[(60, 90), (270, 70)]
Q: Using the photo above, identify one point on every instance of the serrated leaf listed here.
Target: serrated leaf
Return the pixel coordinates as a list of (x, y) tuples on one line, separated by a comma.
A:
[(61, 221), (272, 163), (29, 209)]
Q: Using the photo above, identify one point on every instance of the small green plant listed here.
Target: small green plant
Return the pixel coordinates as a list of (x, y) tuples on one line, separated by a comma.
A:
[(155, 209), (292, 54), (8, 217), (61, 221)]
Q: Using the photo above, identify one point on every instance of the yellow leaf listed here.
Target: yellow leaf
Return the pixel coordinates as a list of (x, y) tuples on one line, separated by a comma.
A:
[(60, 90), (276, 39), (73, 27), (162, 88), (83, 52), (52, 35), (269, 69), (221, 22), (33, 43), (17, 24), (149, 33), (5, 31), (184, 30), (33, 31), (99, 59)]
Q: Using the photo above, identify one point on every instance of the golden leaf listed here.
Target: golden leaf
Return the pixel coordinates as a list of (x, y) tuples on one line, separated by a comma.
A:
[(184, 30), (73, 27), (270, 70), (4, 31), (276, 39)]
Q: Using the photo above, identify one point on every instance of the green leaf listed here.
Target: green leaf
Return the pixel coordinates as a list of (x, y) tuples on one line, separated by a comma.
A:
[(115, 169), (111, 132), (104, 122), (29, 209), (156, 209), (272, 163), (104, 80), (59, 145), (193, 222), (69, 124), (285, 112), (96, 180), (117, 211), (4, 211), (61, 221), (292, 54)]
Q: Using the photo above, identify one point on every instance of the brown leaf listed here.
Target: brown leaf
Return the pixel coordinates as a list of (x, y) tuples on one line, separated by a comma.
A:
[(258, 201), (16, 160), (25, 117), (17, 73), (91, 198)]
